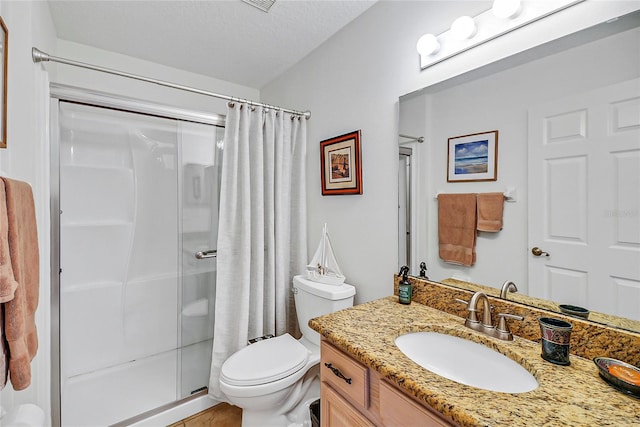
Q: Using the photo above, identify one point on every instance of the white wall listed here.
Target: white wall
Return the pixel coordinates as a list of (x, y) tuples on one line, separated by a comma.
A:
[(353, 81), (26, 159), (501, 101)]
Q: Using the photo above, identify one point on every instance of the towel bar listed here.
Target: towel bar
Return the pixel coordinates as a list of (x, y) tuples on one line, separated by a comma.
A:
[(509, 195)]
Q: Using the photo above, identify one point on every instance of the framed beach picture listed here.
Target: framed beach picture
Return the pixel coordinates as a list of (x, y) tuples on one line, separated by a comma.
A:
[(473, 157), (4, 56), (341, 165)]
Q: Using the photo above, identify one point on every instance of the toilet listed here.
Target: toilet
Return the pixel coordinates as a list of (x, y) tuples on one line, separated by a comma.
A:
[(25, 415), (275, 380)]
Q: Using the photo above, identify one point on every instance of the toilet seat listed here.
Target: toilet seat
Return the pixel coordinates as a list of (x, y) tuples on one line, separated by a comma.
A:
[(265, 362)]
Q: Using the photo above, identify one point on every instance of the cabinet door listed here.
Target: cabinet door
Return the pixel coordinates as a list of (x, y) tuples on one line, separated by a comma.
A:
[(336, 412), (398, 410)]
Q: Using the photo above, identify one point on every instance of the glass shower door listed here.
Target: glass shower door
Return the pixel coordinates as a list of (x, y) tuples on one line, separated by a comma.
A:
[(201, 149), (136, 306)]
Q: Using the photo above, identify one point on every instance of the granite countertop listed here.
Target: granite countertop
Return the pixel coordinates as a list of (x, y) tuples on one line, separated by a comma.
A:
[(572, 395)]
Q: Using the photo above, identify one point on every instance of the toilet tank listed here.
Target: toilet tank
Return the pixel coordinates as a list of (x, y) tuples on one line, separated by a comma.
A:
[(314, 299)]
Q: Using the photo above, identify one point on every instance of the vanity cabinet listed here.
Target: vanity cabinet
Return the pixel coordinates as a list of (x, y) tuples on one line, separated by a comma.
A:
[(355, 395), (336, 411)]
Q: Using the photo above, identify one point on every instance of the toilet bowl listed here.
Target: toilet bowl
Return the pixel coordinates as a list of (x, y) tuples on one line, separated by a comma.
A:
[(275, 380), (25, 415)]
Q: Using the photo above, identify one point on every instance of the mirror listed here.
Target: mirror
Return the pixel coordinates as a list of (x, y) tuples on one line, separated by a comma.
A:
[(506, 96)]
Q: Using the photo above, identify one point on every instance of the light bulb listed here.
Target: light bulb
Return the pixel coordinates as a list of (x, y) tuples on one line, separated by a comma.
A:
[(428, 45), (504, 9), (463, 28)]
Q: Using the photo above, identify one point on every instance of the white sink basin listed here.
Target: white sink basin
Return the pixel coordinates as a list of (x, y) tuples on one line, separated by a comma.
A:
[(466, 362)]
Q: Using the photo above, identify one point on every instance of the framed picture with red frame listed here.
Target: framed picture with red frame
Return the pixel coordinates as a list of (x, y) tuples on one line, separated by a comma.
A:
[(4, 56), (341, 165)]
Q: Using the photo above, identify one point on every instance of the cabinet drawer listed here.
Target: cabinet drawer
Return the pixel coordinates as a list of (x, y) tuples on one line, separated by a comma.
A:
[(399, 410), (345, 375)]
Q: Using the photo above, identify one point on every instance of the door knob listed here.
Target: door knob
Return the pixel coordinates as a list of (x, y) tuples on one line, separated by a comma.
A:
[(536, 251)]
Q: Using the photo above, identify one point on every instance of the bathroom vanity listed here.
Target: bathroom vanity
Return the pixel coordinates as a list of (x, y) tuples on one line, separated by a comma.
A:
[(352, 394), (385, 387)]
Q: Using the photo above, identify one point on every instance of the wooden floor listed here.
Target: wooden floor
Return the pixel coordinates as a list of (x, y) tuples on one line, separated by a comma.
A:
[(222, 415)]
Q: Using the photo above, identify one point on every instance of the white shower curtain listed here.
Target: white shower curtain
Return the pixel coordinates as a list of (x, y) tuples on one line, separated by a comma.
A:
[(262, 229)]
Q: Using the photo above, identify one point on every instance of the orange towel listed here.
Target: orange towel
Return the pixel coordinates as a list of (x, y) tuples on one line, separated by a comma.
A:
[(490, 208), (457, 228), (4, 356), (8, 283), (19, 313)]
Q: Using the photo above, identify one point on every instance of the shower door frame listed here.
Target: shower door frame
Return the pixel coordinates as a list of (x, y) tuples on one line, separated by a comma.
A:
[(405, 194), (65, 93)]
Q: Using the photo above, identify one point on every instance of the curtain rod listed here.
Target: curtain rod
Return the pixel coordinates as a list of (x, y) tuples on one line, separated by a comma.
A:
[(419, 139), (39, 56)]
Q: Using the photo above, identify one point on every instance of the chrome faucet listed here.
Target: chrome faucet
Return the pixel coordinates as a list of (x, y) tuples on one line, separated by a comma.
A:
[(507, 286), (486, 324)]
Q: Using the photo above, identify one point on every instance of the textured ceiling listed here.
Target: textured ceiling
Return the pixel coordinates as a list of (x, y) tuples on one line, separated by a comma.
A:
[(225, 39)]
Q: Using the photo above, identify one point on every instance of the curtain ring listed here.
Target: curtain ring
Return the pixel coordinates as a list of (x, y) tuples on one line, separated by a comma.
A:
[(231, 104)]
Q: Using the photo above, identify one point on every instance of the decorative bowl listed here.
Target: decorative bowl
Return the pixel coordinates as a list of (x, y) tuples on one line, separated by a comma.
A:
[(621, 375), (574, 310)]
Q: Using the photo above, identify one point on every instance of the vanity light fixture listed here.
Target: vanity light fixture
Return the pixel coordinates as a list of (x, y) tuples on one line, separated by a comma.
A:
[(468, 32), (427, 45), (505, 9), (463, 28)]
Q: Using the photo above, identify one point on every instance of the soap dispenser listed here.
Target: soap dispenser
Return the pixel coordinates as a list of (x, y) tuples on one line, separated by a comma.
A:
[(423, 270), (405, 288)]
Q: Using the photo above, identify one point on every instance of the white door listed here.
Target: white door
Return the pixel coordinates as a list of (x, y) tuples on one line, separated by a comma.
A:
[(584, 200)]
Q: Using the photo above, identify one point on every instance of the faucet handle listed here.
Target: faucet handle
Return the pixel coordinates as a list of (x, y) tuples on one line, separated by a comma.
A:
[(503, 326), (473, 316), (461, 301)]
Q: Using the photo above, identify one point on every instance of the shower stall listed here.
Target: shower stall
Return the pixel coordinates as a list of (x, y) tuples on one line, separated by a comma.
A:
[(135, 191)]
